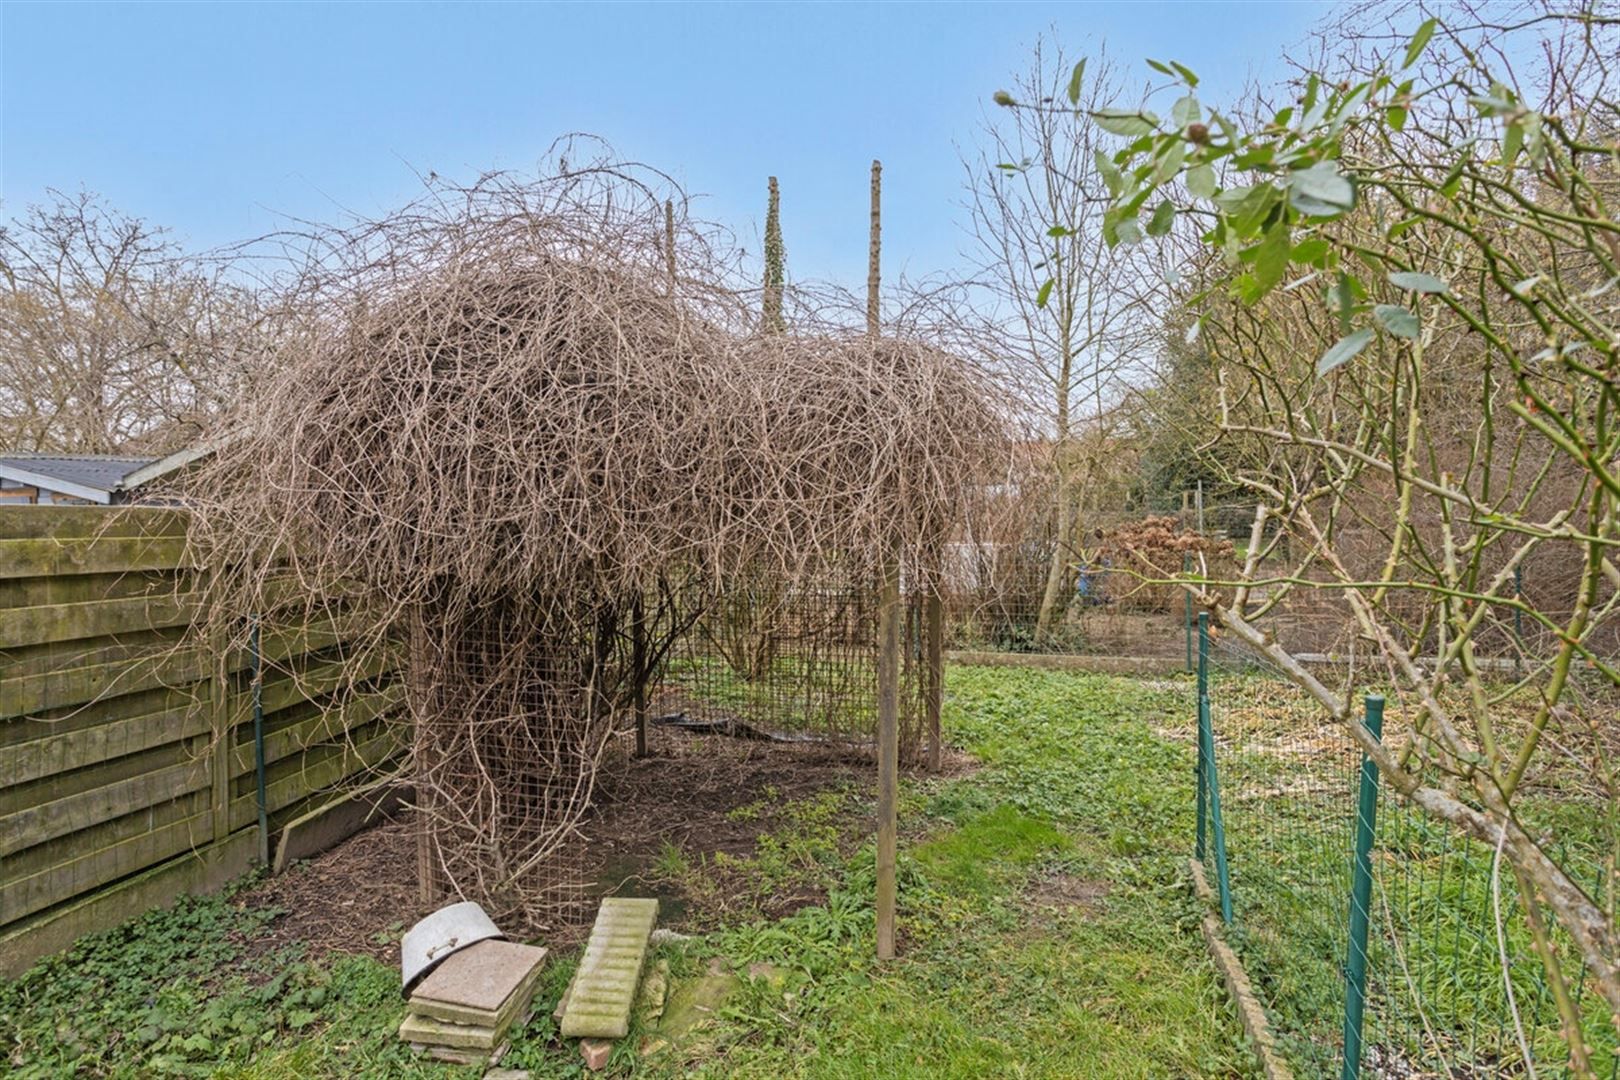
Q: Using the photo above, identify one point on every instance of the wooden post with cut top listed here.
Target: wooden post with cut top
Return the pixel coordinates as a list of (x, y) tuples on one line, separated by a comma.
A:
[(888, 659)]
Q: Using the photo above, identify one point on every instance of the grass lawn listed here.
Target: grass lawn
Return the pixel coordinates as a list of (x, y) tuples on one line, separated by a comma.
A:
[(1046, 932)]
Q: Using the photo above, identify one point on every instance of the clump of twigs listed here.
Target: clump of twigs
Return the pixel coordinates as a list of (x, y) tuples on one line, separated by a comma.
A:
[(524, 437)]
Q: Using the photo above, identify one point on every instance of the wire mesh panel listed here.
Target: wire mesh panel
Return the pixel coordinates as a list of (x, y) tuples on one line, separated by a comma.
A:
[(1454, 981)]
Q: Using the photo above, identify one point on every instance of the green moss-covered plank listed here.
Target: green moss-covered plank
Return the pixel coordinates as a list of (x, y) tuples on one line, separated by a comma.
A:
[(65, 849), (49, 556), (85, 588), (76, 686), (332, 820), (326, 726), (200, 871), (324, 769), (321, 679), (29, 522), (95, 618), (46, 821), (49, 723), (76, 877), (48, 789), (38, 659), (59, 753)]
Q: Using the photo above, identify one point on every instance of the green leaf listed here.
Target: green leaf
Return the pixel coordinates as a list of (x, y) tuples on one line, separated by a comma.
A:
[(1512, 142), (1310, 251), (1395, 116), (1419, 41), (1344, 350), (1127, 122), (1164, 69), (1453, 181), (1397, 320), (1186, 111), (1057, 230), (1001, 97), (1247, 207), (1403, 226), (1201, 182), (1074, 81), (1164, 215), (1321, 191), (1271, 258), (1186, 74), (1110, 174), (1413, 281), (1045, 294), (1171, 161)]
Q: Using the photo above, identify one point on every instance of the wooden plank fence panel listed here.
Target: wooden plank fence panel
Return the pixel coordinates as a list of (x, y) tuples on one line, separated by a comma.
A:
[(75, 877), (49, 820), (55, 556), (70, 750), (126, 756), (96, 618)]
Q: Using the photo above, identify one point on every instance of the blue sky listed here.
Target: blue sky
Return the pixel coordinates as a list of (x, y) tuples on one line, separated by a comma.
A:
[(218, 120)]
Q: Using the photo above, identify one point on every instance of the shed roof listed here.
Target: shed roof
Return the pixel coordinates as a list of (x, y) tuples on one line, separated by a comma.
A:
[(96, 477)]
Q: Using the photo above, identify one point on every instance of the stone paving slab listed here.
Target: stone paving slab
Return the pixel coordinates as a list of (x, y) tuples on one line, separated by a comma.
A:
[(482, 977)]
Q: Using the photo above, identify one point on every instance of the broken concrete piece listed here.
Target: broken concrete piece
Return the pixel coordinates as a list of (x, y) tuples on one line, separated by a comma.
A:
[(507, 1074), (596, 1053), (654, 989), (604, 987), (695, 1002)]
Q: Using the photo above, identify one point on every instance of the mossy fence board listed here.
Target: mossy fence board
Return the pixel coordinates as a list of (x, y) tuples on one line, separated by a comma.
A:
[(127, 756)]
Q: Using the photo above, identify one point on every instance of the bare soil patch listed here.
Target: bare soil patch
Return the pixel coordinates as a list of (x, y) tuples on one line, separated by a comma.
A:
[(1060, 892), (358, 896)]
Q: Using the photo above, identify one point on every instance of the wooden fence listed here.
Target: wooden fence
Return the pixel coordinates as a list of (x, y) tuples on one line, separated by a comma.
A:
[(128, 763)]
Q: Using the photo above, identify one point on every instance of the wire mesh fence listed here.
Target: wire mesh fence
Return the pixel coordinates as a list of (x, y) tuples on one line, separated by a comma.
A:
[(792, 664), (1430, 943)]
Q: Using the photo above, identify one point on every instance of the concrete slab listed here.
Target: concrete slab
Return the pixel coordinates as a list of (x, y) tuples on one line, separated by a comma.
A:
[(454, 1012), (604, 988)]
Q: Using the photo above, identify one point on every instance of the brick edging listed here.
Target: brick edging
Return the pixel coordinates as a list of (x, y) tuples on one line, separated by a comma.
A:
[(1250, 1012)]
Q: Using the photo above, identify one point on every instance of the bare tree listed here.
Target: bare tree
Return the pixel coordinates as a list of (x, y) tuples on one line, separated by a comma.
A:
[(110, 339), (1416, 332), (1070, 309)]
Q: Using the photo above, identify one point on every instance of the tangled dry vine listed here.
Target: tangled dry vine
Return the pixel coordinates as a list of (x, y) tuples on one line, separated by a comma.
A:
[(508, 448)]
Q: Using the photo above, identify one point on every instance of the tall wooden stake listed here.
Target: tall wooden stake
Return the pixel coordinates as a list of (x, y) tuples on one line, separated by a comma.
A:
[(775, 258), (888, 665), (638, 662), (934, 645), (669, 242), (873, 276)]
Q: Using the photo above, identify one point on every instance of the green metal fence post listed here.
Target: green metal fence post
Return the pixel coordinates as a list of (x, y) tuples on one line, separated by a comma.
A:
[(1209, 785), (1355, 961), (258, 739), (1202, 768), (1203, 654), (1223, 878)]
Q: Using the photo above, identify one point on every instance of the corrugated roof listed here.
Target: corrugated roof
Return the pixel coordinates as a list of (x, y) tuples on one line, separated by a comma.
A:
[(103, 472)]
